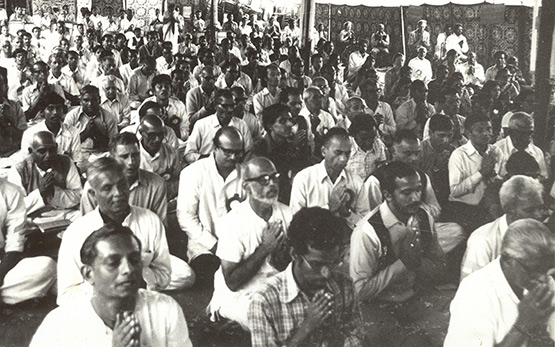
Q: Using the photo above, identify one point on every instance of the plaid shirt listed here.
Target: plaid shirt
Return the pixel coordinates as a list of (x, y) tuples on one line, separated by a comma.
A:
[(278, 310)]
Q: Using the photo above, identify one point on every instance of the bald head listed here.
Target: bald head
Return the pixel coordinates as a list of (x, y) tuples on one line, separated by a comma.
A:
[(228, 134), (151, 121), (255, 165), (43, 138), (310, 92), (520, 119)]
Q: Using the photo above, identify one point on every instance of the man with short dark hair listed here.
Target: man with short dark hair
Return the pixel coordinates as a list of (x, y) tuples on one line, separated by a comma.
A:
[(118, 313), (449, 103), (140, 82), (199, 100), (248, 237), (32, 94), (201, 141), (49, 180), (111, 191), (330, 184), (358, 58), (12, 120), (271, 93), (368, 150), (413, 113), (310, 303), (207, 189)]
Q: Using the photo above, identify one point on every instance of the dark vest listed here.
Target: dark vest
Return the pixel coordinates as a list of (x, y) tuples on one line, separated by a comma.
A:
[(388, 256)]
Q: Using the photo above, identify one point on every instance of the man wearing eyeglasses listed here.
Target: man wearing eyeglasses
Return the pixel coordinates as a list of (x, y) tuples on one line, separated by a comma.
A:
[(521, 197), (521, 130), (510, 301), (200, 99), (310, 303), (201, 141), (207, 189), (248, 236)]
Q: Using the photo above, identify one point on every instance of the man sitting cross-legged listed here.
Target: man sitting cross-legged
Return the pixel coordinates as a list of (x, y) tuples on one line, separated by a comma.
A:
[(247, 236), (111, 191), (310, 303), (118, 313)]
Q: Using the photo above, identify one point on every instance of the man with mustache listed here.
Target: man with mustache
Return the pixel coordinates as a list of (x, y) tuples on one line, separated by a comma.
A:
[(118, 313), (49, 180), (248, 235)]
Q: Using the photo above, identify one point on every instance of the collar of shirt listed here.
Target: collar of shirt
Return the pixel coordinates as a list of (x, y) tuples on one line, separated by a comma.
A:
[(98, 115), (152, 157), (471, 150), (106, 219), (323, 174), (290, 290), (140, 181), (388, 218), (111, 102), (511, 147), (212, 165), (503, 226)]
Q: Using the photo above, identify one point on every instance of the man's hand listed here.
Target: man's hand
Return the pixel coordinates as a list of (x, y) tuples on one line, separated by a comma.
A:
[(338, 198), (272, 236), (411, 250), (300, 138), (46, 185), (127, 331), (378, 117), (319, 309), (488, 165), (535, 308)]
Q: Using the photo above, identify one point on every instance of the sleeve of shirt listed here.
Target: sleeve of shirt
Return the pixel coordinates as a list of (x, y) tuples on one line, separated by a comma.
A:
[(188, 209), (247, 137), (33, 200), (160, 201), (299, 192), (157, 274), (430, 200), (193, 145), (70, 280), (87, 200), (402, 118), (365, 253), (68, 197), (477, 256), (177, 333), (388, 126), (459, 183), (194, 107), (372, 186), (26, 99), (184, 126), (263, 333), (15, 218), (133, 88), (19, 116), (257, 105), (361, 207), (230, 247), (75, 145)]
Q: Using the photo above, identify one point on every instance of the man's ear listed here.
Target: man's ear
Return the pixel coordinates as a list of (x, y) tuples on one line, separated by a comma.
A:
[(323, 150), (88, 273), (387, 195)]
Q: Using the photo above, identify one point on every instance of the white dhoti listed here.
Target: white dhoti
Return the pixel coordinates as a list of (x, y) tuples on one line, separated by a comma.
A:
[(182, 275), (30, 278)]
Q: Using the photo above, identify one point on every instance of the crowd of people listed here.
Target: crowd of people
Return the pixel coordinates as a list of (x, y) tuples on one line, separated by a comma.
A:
[(308, 182)]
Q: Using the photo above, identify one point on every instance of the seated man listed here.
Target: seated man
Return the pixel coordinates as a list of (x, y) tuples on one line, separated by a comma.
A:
[(449, 103), (318, 121), (150, 108), (471, 167), (118, 313), (510, 301), (174, 113), (241, 111), (156, 156), (146, 189), (21, 278), (206, 190), (247, 238), (32, 94), (67, 137), (288, 151), (414, 113), (12, 120), (115, 101), (520, 132), (397, 243), (270, 95), (329, 184), (111, 191), (49, 180), (199, 101), (96, 125), (368, 150), (310, 303), (57, 77), (201, 141), (140, 82), (521, 197)]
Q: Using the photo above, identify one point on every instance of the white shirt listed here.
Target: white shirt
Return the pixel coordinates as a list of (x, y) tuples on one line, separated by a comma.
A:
[(240, 232), (507, 148), (356, 59), (145, 224), (175, 108), (388, 126), (263, 99), (326, 122), (312, 187), (160, 317), (421, 69), (202, 199), (453, 42), (201, 141), (466, 181), (484, 245), (484, 310), (12, 217)]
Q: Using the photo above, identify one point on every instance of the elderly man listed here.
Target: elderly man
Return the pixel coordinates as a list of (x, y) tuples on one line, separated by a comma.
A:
[(111, 191), (140, 82), (67, 137), (96, 125), (310, 303), (118, 313), (21, 278), (397, 243), (199, 101), (146, 189), (521, 129), (206, 190), (510, 301), (201, 141), (174, 113), (151, 108), (49, 180), (330, 184), (248, 237), (421, 68), (521, 197), (419, 37)]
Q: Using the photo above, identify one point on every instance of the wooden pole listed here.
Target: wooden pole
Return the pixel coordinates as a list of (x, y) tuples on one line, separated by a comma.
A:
[(403, 33), (308, 16), (543, 83)]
